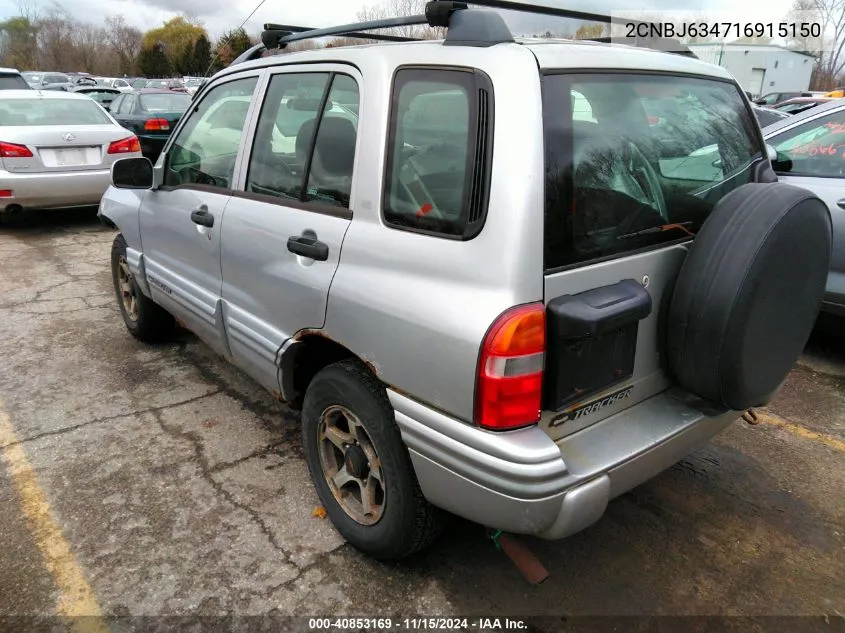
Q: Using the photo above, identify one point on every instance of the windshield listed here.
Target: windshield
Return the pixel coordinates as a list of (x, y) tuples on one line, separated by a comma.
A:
[(13, 82), (176, 102), (21, 112), (632, 153)]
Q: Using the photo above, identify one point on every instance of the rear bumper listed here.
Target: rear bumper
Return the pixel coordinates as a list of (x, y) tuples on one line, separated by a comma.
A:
[(523, 482), (54, 189)]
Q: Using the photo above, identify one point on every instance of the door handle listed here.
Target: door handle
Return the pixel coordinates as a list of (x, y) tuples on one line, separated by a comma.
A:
[(202, 217), (308, 245), (841, 203)]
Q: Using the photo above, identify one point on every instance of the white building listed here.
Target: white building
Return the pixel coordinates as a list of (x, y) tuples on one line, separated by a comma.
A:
[(760, 68)]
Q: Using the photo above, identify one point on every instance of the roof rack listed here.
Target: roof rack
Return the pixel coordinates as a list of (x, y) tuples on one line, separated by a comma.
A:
[(476, 27)]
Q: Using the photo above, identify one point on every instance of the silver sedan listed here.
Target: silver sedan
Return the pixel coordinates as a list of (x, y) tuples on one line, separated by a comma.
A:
[(56, 150)]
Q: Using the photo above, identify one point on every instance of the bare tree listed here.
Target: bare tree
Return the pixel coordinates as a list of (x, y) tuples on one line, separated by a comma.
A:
[(401, 8), (125, 41), (828, 49), (55, 39)]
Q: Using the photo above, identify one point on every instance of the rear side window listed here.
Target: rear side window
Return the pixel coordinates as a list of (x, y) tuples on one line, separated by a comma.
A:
[(439, 151), (634, 161)]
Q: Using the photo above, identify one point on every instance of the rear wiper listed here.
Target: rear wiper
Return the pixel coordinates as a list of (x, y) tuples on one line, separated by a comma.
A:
[(680, 226)]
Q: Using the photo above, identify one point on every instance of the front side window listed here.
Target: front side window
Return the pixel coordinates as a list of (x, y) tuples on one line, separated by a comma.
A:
[(815, 148), (646, 167), (439, 139), (205, 150)]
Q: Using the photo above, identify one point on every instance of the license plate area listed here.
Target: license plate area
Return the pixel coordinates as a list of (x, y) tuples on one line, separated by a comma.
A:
[(70, 156)]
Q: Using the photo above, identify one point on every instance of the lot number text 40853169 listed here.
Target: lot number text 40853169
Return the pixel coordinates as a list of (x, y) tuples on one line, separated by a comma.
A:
[(416, 624)]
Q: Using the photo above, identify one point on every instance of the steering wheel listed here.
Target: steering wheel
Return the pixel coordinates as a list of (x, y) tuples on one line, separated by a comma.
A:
[(412, 182), (637, 164), (192, 175)]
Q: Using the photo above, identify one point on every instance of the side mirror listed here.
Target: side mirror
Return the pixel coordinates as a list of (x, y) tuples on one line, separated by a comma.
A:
[(132, 173), (45, 83), (782, 163), (760, 101)]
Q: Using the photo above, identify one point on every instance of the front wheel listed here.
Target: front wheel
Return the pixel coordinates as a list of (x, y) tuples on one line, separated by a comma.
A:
[(360, 465), (146, 320)]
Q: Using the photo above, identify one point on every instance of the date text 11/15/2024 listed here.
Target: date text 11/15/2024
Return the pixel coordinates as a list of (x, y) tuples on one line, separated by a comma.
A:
[(416, 624)]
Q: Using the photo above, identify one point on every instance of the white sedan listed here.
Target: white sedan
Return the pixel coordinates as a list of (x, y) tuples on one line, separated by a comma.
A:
[(56, 150)]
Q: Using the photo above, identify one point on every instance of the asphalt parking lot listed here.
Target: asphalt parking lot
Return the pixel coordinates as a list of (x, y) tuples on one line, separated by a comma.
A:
[(161, 480)]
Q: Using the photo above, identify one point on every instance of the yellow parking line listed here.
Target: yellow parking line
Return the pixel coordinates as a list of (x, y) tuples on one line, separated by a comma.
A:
[(801, 431), (76, 597)]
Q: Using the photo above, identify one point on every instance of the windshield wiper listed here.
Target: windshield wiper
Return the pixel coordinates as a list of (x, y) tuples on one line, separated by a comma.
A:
[(680, 226)]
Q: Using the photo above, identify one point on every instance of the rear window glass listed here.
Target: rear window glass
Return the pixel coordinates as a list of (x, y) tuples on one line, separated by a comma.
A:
[(19, 112), (176, 102), (13, 82), (637, 160)]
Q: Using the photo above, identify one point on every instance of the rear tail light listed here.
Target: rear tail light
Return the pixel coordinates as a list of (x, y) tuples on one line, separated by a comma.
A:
[(157, 125), (13, 150), (510, 370), (125, 146), (5, 193)]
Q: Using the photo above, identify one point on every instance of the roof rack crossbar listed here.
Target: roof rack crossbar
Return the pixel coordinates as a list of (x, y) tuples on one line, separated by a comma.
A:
[(286, 29)]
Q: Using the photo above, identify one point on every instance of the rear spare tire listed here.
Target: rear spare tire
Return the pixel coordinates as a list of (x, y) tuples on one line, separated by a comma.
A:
[(748, 294)]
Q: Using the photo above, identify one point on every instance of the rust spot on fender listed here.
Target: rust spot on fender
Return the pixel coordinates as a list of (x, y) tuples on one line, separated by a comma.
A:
[(311, 332)]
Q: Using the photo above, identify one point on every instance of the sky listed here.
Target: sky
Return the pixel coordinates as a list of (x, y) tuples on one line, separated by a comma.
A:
[(219, 16)]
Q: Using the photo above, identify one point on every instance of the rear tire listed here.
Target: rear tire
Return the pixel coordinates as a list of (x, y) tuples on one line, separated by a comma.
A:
[(341, 396), (145, 319)]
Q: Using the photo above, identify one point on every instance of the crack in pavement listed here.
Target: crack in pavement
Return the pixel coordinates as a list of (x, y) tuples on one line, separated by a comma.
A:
[(207, 473), (265, 450), (111, 418)]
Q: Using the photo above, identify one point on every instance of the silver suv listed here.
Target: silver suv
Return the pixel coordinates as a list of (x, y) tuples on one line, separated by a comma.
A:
[(508, 279)]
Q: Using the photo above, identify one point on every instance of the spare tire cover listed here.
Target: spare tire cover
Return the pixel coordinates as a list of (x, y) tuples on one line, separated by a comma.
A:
[(748, 294)]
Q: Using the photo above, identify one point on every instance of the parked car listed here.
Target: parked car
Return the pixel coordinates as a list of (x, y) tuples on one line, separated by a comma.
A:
[(800, 104), (12, 79), (773, 98), (101, 94), (56, 150), (193, 84), (151, 114), (165, 84), (811, 153), (138, 83), (767, 116), (480, 303), (54, 81)]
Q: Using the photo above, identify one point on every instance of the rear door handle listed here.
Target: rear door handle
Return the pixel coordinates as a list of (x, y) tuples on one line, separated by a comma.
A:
[(202, 217), (841, 203), (308, 245)]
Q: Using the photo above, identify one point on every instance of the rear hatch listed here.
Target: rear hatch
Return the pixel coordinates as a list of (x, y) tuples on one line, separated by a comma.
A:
[(634, 165)]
